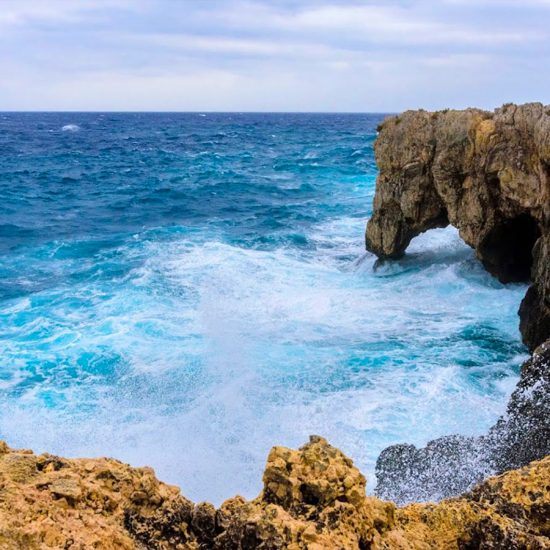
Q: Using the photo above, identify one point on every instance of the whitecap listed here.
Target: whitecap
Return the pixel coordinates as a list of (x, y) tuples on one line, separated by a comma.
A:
[(70, 128)]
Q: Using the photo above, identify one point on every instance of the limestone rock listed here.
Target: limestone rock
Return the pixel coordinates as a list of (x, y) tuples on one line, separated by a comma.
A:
[(313, 499), (48, 502), (488, 174)]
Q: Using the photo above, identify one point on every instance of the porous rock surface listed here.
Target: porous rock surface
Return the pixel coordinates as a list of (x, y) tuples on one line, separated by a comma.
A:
[(313, 498), (486, 173)]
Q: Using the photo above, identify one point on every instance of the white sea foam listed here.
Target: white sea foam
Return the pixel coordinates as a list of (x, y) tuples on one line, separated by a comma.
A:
[(208, 354)]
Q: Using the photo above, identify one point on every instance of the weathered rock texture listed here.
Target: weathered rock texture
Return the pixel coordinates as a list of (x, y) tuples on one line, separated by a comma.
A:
[(450, 465), (313, 498), (488, 174)]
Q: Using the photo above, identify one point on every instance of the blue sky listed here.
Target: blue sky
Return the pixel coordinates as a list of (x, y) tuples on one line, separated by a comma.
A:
[(266, 55)]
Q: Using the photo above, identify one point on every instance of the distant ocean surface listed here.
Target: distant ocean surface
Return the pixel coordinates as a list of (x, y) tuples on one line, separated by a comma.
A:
[(186, 290)]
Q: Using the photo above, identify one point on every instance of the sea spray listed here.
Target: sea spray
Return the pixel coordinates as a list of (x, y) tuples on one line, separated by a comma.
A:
[(186, 291)]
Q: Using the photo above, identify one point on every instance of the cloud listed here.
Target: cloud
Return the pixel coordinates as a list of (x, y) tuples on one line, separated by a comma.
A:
[(271, 55)]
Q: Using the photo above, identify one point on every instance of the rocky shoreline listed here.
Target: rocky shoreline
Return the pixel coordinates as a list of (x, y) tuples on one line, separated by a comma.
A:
[(488, 174), (313, 498)]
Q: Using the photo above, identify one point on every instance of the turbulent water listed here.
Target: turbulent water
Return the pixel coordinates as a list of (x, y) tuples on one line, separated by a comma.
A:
[(187, 290)]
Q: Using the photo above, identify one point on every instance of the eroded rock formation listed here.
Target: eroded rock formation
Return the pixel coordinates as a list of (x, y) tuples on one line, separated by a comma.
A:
[(313, 499), (488, 174), (450, 465)]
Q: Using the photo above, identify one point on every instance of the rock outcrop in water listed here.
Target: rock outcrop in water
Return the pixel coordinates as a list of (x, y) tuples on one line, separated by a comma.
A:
[(488, 174), (452, 464), (313, 498)]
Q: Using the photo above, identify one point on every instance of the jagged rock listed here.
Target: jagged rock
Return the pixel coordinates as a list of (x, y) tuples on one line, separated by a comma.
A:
[(450, 465), (446, 467), (488, 174), (508, 512), (523, 433), (48, 502), (313, 499), (534, 311)]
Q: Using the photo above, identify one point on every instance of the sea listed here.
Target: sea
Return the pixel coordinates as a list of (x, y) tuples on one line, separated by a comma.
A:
[(186, 290)]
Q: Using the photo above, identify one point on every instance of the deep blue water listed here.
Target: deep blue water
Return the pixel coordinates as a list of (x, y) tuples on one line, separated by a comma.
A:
[(187, 290)]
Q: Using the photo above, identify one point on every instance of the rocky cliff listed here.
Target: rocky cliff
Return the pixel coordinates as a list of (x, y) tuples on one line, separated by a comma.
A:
[(313, 498), (488, 174)]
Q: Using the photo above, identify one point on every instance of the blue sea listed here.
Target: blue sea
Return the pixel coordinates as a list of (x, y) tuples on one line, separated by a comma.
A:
[(186, 290)]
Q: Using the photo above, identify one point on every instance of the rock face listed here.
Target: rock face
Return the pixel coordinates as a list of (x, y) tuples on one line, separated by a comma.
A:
[(313, 499), (450, 465), (488, 174), (51, 502)]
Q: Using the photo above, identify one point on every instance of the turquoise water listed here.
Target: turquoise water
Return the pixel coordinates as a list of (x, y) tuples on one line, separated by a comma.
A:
[(187, 290)]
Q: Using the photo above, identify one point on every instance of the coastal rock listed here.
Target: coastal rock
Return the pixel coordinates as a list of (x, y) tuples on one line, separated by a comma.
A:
[(313, 499), (534, 311), (488, 174), (523, 433), (51, 502), (446, 467), (450, 465)]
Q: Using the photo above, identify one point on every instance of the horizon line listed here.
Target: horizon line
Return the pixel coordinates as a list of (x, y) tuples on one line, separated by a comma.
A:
[(198, 112)]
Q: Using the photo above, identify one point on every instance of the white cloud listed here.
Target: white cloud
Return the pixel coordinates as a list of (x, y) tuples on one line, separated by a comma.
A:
[(386, 24), (240, 46), (260, 55), (21, 12)]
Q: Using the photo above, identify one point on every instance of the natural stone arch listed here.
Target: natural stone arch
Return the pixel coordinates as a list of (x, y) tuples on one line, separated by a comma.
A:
[(484, 173)]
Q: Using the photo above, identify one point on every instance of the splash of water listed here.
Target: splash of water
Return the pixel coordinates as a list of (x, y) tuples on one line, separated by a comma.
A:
[(200, 308)]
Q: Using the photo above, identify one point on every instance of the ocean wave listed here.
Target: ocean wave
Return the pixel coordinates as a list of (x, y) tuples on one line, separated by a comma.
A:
[(70, 128), (192, 312)]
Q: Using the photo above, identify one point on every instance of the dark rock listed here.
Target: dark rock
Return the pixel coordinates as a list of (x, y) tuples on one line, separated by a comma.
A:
[(451, 465), (446, 467), (534, 311)]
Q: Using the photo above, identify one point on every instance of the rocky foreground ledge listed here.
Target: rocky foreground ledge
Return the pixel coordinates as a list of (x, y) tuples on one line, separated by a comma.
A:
[(487, 174), (313, 498)]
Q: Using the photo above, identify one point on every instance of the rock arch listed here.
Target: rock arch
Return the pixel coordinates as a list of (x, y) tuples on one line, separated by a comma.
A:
[(484, 173)]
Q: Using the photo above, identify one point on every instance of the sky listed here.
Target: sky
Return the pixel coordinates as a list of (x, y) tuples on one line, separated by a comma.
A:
[(267, 55)]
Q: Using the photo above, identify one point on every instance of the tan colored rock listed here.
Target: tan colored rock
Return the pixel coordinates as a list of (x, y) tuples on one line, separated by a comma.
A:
[(48, 502), (313, 498), (488, 174)]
